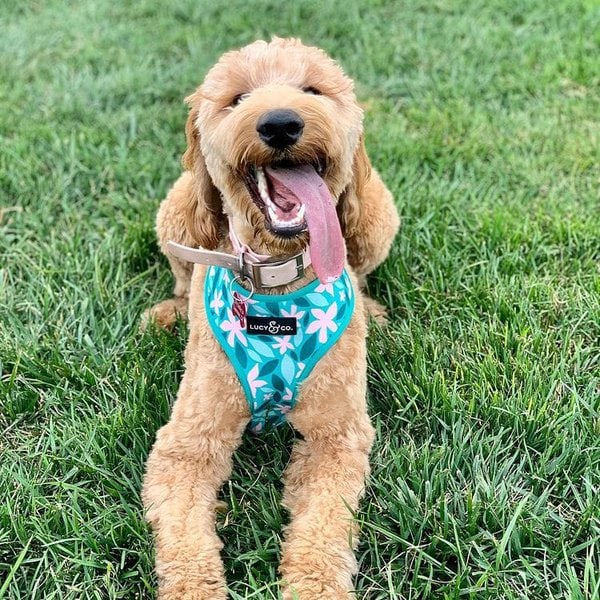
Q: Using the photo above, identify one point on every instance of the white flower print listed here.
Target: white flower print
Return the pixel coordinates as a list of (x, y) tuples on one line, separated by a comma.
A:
[(323, 322), (234, 327), (283, 344), (325, 287), (253, 382), (293, 312), (217, 302)]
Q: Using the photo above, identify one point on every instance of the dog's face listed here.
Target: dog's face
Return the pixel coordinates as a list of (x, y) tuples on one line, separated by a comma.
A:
[(270, 123)]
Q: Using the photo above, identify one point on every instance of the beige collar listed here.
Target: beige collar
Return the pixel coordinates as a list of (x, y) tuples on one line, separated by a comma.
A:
[(263, 271)]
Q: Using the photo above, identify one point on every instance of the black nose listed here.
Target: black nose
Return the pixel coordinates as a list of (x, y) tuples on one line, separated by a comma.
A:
[(280, 128)]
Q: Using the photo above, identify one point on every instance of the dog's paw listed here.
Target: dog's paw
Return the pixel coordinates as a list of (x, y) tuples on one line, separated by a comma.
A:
[(165, 313), (193, 587), (183, 594), (292, 593), (375, 310)]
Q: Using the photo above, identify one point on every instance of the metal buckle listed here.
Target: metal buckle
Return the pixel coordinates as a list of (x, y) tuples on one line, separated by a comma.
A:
[(299, 266), (246, 270), (257, 275), (242, 265)]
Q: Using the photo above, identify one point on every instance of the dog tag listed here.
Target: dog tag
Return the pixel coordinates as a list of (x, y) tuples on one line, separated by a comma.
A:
[(239, 308)]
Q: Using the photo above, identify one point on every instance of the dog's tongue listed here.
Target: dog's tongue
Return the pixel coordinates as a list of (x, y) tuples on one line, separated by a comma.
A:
[(302, 184)]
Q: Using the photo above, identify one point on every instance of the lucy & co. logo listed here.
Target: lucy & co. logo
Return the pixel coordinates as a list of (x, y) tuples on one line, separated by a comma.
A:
[(270, 325)]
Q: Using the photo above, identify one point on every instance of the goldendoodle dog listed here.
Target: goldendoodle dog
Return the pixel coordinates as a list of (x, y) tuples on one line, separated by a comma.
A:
[(270, 233)]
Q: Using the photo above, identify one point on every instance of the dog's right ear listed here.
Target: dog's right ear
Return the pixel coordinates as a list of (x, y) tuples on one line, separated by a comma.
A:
[(204, 210)]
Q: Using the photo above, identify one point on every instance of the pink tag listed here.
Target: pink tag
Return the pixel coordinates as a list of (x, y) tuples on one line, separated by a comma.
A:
[(239, 309)]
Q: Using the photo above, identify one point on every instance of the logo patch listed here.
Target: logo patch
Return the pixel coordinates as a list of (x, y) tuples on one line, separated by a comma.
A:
[(270, 325)]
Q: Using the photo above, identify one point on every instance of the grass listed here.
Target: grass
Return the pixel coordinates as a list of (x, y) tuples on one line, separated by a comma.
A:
[(485, 390)]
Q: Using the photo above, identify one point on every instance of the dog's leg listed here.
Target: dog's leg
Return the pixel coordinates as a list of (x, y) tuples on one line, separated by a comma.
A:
[(187, 466), (171, 225), (324, 482)]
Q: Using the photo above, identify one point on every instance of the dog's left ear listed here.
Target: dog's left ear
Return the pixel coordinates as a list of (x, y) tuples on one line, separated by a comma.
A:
[(204, 210), (351, 211)]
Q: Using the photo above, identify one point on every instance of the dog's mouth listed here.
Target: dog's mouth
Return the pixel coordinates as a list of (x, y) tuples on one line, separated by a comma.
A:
[(282, 204), (294, 198)]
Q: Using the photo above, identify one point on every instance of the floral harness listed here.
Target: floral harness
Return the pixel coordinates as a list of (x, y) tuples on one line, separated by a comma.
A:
[(271, 367)]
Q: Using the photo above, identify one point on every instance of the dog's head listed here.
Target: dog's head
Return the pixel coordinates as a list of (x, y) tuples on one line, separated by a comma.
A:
[(269, 126)]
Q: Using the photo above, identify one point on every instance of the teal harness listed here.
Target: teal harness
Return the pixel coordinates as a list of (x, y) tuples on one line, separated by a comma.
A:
[(270, 360)]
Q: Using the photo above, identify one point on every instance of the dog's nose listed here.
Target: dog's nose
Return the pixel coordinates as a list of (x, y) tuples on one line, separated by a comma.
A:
[(280, 128)]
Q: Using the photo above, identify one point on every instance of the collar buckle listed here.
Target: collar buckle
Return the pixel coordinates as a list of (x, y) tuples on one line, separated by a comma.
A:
[(262, 274), (243, 270), (280, 272)]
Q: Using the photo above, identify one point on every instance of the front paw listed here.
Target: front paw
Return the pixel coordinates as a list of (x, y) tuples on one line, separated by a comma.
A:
[(185, 592), (304, 578), (198, 577), (165, 313), (317, 593), (375, 310)]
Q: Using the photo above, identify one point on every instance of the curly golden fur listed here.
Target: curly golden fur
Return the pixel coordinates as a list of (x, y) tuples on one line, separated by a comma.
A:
[(192, 455)]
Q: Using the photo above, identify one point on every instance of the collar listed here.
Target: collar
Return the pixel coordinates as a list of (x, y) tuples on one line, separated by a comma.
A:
[(261, 269)]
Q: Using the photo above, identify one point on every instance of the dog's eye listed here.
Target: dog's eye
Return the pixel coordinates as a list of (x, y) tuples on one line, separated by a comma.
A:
[(239, 98), (311, 90)]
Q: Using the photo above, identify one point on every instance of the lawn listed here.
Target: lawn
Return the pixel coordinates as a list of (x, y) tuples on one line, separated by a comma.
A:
[(484, 119)]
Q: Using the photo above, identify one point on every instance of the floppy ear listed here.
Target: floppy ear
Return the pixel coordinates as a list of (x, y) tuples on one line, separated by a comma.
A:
[(203, 214), (351, 211), (368, 216)]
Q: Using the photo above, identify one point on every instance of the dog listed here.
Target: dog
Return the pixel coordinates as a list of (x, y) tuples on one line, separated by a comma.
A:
[(284, 216)]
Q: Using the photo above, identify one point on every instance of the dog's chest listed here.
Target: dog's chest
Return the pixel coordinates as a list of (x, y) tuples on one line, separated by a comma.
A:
[(274, 341)]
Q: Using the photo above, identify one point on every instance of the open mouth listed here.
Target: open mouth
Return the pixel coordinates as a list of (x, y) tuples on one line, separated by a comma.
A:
[(295, 198), (284, 208)]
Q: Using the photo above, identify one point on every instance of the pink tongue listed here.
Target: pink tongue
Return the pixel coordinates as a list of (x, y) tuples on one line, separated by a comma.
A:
[(327, 251)]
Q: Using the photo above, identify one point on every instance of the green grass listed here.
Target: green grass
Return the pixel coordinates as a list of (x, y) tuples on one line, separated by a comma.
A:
[(483, 118)]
